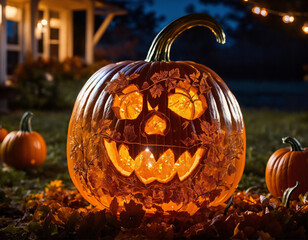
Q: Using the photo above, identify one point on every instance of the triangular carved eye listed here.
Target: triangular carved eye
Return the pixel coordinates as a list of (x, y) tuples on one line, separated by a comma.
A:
[(150, 108), (129, 104), (186, 102)]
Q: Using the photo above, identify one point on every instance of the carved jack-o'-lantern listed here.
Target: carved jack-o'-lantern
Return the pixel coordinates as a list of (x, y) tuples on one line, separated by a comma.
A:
[(169, 135)]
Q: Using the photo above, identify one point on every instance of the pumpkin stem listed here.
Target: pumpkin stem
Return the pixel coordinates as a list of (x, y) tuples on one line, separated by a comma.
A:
[(293, 142), (287, 195), (161, 45), (25, 122)]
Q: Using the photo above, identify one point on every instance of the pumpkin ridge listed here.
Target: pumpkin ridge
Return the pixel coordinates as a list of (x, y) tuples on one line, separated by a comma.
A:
[(218, 132), (277, 173)]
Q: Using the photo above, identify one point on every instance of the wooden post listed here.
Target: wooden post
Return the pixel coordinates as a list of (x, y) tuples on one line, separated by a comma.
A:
[(69, 33), (89, 34), (100, 32), (3, 44), (33, 24)]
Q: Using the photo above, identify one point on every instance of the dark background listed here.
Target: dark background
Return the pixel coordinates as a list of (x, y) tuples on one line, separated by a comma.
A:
[(264, 62)]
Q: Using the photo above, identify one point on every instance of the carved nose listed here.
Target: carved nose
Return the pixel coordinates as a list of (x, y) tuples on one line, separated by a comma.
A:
[(156, 123)]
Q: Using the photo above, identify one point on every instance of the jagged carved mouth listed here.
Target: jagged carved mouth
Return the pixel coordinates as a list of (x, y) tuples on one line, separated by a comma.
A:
[(147, 168)]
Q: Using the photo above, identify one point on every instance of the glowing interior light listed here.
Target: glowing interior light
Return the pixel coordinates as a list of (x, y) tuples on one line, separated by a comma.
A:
[(291, 19), (11, 12), (263, 12), (256, 10), (44, 22), (39, 26), (147, 149), (0, 14), (155, 125)]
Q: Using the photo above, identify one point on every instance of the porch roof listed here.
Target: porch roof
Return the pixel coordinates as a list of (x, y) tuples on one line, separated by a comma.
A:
[(101, 6)]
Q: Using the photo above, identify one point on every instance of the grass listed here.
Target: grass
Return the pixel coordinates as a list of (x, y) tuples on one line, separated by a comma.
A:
[(264, 130)]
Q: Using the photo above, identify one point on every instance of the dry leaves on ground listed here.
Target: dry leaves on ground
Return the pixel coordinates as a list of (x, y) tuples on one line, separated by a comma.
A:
[(59, 213)]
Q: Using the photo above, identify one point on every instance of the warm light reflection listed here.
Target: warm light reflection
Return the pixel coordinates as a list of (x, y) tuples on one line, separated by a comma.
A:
[(41, 28), (129, 104), (0, 14), (44, 22), (155, 125), (120, 159), (11, 12), (187, 104), (305, 28), (54, 23), (146, 167), (150, 108), (187, 164)]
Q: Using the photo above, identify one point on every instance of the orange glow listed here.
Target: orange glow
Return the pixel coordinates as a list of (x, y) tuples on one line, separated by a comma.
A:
[(155, 125), (264, 12), (145, 164), (147, 168), (44, 22), (150, 107), (256, 10), (120, 159), (113, 159), (287, 18), (187, 103), (164, 170), (11, 12), (187, 164), (305, 28), (129, 104), (0, 14)]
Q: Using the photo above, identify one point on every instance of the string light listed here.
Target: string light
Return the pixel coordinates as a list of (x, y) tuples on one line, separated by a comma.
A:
[(264, 12), (256, 10), (286, 17), (305, 28)]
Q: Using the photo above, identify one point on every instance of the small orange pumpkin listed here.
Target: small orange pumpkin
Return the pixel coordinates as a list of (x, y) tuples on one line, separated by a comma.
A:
[(23, 148), (285, 167), (3, 133)]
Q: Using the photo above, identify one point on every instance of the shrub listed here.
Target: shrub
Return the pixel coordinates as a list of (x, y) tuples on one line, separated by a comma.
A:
[(48, 84)]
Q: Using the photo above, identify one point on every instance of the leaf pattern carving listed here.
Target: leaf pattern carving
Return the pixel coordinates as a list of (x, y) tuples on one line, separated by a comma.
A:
[(222, 150), (120, 82)]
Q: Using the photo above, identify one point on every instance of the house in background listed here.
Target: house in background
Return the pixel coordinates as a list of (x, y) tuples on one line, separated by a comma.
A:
[(45, 28)]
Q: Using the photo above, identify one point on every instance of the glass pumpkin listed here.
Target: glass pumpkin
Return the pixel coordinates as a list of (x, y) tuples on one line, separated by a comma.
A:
[(167, 134)]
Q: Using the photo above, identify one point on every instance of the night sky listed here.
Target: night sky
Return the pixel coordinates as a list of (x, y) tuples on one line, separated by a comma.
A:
[(173, 9)]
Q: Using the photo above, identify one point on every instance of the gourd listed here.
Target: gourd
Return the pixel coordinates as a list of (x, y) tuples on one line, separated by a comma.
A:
[(24, 148), (167, 134), (3, 133), (285, 167)]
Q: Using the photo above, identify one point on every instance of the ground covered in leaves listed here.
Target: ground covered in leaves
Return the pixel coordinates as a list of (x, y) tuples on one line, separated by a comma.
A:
[(42, 203), (59, 213)]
